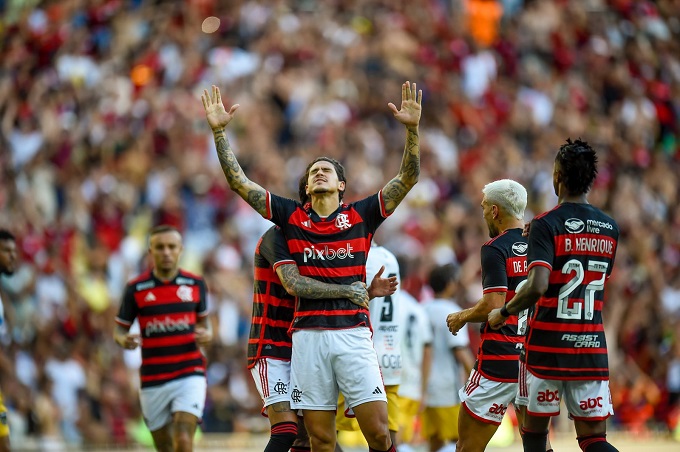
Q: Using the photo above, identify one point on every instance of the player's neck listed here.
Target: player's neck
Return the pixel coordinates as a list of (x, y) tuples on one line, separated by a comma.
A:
[(165, 275), (577, 199), (510, 223), (325, 205)]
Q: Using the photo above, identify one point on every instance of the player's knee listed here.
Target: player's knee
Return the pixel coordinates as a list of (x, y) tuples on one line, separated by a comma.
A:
[(379, 439), (321, 436), (464, 444), (595, 443), (184, 442)]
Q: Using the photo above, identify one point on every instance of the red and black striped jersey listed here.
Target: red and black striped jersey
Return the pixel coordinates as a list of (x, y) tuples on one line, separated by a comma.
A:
[(167, 313), (565, 339), (331, 250), (273, 307), (504, 269)]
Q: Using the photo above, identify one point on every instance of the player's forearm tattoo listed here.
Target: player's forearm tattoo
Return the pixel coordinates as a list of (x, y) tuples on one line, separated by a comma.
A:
[(230, 166), (396, 189), (305, 287), (235, 176)]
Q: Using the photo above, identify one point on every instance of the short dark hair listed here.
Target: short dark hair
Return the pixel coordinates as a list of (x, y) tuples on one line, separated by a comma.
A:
[(339, 170), (578, 166), (6, 235), (442, 275), (161, 228)]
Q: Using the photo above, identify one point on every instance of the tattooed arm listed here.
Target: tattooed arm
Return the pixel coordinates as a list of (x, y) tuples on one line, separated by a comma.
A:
[(409, 115), (218, 118), (302, 286)]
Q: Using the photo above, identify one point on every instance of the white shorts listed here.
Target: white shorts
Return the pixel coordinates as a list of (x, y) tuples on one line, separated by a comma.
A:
[(522, 398), (272, 379), (160, 402), (584, 399), (487, 400), (325, 362)]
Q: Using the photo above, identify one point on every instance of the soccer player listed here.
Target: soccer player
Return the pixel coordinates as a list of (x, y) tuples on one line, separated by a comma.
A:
[(329, 240), (385, 321), (570, 256), (170, 304), (493, 383), (449, 354), (416, 358), (8, 261), (277, 284)]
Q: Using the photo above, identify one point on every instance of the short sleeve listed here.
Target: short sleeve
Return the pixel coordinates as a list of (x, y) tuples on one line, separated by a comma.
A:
[(202, 306), (274, 247), (494, 273), (128, 307), (541, 245), (372, 211)]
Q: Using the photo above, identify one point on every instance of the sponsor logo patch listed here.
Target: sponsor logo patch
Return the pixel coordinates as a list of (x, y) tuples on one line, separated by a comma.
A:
[(574, 225)]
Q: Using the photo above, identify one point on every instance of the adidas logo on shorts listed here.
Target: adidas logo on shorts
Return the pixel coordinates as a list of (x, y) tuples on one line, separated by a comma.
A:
[(377, 390)]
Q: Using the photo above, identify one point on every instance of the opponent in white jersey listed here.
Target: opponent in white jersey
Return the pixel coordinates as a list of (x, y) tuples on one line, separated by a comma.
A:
[(449, 354), (416, 361)]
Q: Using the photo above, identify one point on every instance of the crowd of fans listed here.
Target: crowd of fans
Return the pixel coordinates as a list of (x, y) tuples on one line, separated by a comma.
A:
[(103, 135)]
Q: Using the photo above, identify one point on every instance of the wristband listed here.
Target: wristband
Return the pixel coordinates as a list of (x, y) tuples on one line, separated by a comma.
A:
[(505, 312)]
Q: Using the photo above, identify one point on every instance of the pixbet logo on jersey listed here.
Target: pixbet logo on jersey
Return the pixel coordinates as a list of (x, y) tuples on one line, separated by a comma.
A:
[(326, 253), (167, 325)]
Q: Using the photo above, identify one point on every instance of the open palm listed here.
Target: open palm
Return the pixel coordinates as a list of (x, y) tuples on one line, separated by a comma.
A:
[(411, 106), (215, 113)]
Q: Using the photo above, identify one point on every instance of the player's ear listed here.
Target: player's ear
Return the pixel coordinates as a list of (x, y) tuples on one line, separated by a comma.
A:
[(341, 185)]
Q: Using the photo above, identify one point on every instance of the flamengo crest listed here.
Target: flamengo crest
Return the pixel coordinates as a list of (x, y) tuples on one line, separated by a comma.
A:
[(342, 221), (185, 293)]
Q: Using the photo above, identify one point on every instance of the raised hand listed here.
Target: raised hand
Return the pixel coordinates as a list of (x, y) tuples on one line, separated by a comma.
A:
[(215, 113), (411, 106), (382, 287)]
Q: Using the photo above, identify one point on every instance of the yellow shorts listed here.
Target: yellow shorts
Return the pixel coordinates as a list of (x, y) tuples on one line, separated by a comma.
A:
[(4, 425), (441, 422), (407, 418), (350, 424)]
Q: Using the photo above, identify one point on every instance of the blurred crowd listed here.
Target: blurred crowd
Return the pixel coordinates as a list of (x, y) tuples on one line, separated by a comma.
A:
[(103, 136)]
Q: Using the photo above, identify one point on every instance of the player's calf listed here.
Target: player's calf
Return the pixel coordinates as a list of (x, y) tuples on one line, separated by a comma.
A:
[(595, 443), (282, 437), (534, 441)]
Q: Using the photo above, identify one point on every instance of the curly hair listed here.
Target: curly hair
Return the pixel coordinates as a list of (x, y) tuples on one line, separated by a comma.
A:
[(578, 166)]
